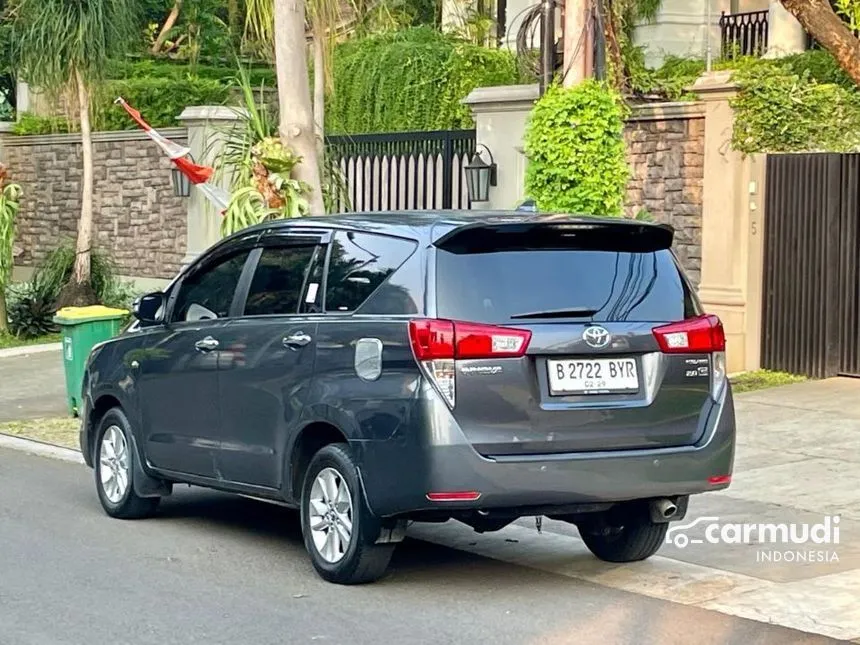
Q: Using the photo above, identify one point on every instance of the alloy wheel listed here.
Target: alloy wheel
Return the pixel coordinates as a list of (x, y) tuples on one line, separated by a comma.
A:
[(114, 464), (330, 515)]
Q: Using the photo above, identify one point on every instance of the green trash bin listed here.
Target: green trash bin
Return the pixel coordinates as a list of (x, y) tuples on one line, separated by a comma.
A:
[(83, 328)]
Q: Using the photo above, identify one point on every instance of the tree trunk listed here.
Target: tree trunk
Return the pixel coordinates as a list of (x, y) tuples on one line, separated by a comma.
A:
[(233, 18), (319, 91), (4, 316), (168, 25), (81, 273), (294, 96), (822, 23)]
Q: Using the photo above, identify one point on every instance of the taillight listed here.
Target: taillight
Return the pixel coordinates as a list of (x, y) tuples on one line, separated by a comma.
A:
[(435, 339), (701, 335), (438, 343)]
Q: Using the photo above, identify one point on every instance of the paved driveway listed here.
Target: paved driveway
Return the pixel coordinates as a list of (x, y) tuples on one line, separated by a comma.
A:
[(32, 386), (797, 461)]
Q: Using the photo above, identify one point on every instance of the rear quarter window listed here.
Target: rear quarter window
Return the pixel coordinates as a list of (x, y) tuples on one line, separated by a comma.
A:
[(359, 265), (501, 286)]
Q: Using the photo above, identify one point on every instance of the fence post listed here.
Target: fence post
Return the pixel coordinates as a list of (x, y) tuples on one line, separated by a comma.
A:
[(447, 171)]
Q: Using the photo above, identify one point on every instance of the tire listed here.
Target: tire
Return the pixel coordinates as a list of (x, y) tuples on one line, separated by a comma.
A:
[(361, 561), (625, 538), (114, 450)]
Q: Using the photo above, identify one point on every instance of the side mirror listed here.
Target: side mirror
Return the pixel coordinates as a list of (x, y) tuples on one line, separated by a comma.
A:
[(149, 308)]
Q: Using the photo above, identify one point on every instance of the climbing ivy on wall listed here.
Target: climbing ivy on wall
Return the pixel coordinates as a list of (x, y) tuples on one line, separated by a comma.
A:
[(411, 80), (575, 147)]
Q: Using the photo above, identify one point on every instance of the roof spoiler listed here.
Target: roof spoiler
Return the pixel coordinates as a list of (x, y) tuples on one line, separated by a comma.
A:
[(621, 235)]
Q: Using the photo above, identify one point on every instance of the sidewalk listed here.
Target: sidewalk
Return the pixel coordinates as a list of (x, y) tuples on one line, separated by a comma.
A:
[(798, 459), (32, 385)]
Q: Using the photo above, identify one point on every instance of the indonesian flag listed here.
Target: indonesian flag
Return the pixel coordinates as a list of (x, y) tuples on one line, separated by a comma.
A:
[(197, 174)]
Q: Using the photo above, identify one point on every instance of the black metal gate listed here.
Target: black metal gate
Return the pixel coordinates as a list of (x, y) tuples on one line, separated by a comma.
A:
[(811, 300), (402, 170)]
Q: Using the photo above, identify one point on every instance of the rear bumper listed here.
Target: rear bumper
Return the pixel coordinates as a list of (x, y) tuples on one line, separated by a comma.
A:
[(398, 474)]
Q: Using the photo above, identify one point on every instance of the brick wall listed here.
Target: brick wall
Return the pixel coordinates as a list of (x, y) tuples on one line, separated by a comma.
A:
[(665, 151), (138, 220)]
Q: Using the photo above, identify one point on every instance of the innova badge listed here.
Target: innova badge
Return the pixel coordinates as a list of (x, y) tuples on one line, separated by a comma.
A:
[(596, 337)]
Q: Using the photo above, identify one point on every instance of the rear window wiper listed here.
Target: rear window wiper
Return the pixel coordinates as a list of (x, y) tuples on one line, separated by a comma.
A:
[(557, 313)]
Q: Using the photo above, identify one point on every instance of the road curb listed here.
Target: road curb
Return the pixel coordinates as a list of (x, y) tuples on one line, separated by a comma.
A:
[(41, 449), (30, 349)]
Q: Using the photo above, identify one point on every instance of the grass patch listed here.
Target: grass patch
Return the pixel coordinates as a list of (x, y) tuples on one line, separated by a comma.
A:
[(763, 379), (8, 340), (61, 431)]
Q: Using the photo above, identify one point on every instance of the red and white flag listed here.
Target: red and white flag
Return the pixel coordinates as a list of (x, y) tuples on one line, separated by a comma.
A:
[(197, 174)]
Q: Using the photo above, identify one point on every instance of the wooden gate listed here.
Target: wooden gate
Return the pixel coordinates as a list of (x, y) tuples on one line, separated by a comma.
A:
[(811, 316)]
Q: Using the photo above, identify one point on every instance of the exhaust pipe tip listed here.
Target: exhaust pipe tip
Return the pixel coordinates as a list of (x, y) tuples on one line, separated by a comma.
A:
[(665, 508)]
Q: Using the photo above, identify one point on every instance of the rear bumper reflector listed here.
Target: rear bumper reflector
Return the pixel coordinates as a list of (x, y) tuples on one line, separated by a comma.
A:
[(718, 480), (458, 496)]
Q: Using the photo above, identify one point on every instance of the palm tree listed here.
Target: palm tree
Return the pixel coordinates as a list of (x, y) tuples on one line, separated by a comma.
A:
[(323, 19), (65, 45)]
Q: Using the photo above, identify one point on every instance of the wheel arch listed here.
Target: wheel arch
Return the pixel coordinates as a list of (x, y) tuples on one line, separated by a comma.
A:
[(314, 436), (145, 485)]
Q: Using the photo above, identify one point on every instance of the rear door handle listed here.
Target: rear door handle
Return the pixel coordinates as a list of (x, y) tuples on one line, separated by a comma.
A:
[(294, 341), (206, 345)]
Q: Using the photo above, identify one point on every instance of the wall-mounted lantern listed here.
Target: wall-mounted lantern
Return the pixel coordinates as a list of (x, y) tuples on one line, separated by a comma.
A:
[(181, 183), (480, 175)]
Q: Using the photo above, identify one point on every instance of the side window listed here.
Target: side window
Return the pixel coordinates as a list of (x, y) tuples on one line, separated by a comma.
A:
[(208, 293), (359, 263), (279, 280)]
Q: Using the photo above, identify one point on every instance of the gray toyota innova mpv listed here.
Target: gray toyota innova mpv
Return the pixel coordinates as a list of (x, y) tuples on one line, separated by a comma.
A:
[(378, 369)]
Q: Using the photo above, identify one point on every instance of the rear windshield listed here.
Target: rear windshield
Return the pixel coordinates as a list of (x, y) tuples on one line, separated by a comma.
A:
[(549, 284)]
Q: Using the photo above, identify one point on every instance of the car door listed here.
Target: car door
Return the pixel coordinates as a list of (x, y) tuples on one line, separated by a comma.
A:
[(179, 377), (268, 367)]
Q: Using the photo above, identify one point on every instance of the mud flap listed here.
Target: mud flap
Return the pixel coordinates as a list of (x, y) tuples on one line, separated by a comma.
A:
[(146, 485)]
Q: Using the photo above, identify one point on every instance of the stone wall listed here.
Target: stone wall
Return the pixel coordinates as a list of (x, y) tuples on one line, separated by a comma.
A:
[(138, 220), (665, 151)]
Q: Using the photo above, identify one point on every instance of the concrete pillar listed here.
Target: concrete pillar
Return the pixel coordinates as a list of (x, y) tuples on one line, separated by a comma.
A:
[(500, 123), (731, 226), (208, 127), (785, 35)]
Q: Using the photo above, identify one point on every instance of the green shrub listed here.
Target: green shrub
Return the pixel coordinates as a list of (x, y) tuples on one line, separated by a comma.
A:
[(575, 146), (411, 80), (159, 100), (779, 110), (33, 124), (180, 70), (30, 310)]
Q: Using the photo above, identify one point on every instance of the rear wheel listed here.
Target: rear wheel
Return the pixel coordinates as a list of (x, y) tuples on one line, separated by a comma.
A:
[(339, 530), (114, 470), (626, 536)]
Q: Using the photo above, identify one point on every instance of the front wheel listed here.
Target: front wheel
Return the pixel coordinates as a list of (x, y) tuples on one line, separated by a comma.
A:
[(626, 537), (114, 470), (338, 528)]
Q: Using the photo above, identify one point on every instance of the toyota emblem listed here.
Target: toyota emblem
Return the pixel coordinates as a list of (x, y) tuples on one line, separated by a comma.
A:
[(596, 337)]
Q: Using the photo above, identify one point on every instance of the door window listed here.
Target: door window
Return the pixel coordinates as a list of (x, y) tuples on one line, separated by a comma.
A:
[(280, 280), (359, 264), (208, 293)]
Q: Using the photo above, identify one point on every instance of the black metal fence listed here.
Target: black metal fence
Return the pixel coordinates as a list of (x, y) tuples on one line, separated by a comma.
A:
[(811, 303), (743, 34), (403, 170)]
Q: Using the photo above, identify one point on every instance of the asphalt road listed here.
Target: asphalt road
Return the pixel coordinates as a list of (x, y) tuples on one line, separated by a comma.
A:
[(215, 568)]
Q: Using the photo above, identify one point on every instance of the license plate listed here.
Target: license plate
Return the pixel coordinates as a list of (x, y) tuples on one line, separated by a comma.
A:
[(593, 376)]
